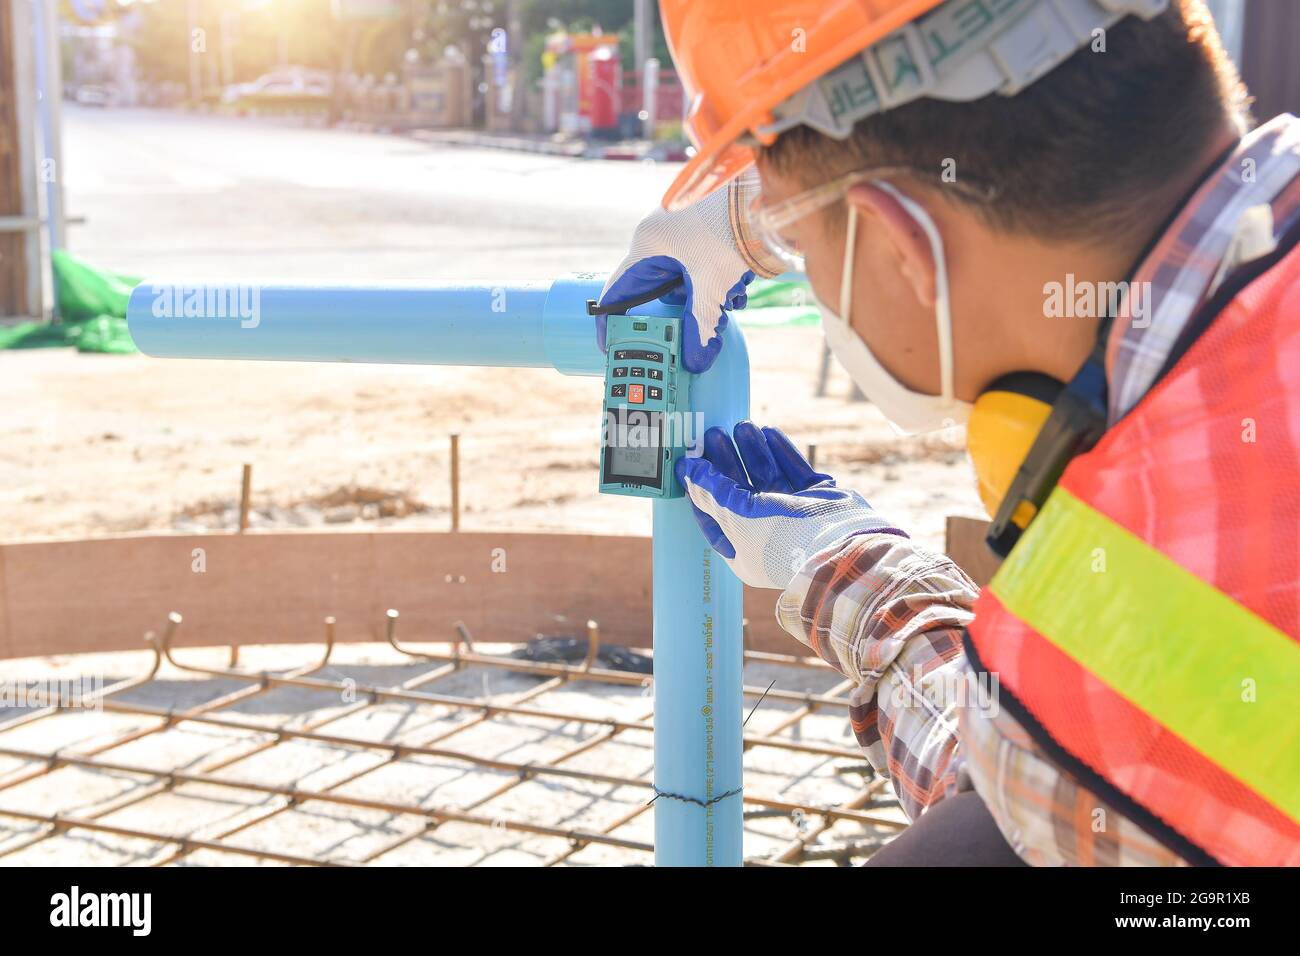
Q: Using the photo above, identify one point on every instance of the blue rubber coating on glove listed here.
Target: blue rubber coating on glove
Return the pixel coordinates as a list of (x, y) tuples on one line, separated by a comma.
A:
[(764, 475), (686, 470), (742, 500), (719, 451), (799, 475), (652, 272)]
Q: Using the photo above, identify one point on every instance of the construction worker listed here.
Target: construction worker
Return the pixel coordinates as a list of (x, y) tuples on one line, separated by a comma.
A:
[(1049, 220)]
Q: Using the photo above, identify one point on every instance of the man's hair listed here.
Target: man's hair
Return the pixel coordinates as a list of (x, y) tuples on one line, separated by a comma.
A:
[(1086, 152)]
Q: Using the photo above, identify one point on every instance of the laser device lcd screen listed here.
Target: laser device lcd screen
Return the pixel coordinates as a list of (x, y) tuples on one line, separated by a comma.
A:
[(635, 462), (633, 447)]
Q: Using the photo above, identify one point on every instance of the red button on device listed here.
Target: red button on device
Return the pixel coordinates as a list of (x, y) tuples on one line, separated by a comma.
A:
[(636, 394)]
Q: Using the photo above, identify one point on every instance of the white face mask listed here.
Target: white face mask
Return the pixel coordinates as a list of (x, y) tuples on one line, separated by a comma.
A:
[(910, 412)]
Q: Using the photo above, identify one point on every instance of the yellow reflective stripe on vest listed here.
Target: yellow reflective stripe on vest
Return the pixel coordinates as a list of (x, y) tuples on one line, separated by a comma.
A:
[(1173, 645)]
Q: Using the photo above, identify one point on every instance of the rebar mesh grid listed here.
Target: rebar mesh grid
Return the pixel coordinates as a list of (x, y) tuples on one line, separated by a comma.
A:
[(258, 772)]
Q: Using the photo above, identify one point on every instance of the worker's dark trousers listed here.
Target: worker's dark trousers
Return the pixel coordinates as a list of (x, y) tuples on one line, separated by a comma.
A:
[(957, 831)]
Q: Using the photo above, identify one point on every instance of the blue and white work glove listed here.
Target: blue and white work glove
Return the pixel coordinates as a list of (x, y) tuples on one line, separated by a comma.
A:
[(710, 246), (765, 510)]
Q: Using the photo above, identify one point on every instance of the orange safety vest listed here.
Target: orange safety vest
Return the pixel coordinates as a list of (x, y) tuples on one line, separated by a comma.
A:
[(1146, 627)]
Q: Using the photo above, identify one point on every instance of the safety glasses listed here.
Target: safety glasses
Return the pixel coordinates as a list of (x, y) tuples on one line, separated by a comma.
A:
[(771, 223)]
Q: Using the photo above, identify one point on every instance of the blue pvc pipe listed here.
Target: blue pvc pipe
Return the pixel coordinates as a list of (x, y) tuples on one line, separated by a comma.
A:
[(697, 600), (698, 658), (435, 324), (510, 324)]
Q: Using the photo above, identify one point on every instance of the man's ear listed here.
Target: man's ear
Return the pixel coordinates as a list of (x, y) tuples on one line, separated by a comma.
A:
[(902, 234)]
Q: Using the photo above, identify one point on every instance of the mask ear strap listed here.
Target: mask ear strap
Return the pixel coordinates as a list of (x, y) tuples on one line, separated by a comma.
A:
[(942, 301), (846, 267)]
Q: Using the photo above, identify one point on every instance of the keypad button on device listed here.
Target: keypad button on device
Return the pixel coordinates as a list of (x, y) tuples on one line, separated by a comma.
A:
[(655, 392), (635, 394), (655, 373), (638, 372), (620, 371), (618, 391)]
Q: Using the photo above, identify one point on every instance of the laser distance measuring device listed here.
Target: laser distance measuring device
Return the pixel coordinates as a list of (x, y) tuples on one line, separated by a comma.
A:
[(646, 425)]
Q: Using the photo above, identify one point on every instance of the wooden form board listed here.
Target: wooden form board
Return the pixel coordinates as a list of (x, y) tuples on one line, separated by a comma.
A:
[(256, 588), (68, 597)]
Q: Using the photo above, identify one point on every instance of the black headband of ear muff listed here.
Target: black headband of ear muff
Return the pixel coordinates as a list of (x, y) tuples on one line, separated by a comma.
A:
[(1076, 424), (1039, 386)]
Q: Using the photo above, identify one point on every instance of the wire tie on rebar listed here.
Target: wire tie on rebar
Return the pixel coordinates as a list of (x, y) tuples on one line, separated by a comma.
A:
[(264, 680), (685, 799), (759, 704)]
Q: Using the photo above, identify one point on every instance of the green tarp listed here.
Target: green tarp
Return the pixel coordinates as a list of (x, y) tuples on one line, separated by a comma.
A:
[(92, 305), (85, 292), (777, 302)]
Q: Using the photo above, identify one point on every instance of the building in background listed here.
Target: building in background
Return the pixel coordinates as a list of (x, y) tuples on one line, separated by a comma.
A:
[(582, 83), (101, 62)]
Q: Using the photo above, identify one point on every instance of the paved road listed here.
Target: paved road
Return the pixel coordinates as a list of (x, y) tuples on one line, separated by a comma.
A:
[(169, 193)]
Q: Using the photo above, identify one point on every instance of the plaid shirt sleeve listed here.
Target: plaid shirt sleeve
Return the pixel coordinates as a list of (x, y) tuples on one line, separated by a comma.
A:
[(888, 615)]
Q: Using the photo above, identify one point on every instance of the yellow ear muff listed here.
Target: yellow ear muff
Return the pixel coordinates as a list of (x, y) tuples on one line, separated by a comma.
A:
[(1006, 419)]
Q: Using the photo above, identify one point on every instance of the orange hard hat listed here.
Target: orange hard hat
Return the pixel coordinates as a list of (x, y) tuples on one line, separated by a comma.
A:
[(738, 59)]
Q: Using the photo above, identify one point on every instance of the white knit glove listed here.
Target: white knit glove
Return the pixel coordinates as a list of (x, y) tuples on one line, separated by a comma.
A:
[(708, 245)]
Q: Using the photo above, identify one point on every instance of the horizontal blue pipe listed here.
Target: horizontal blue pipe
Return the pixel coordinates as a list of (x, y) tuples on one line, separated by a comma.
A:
[(451, 324)]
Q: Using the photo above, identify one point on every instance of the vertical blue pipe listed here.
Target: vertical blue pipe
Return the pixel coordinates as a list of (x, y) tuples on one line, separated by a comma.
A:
[(698, 658)]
